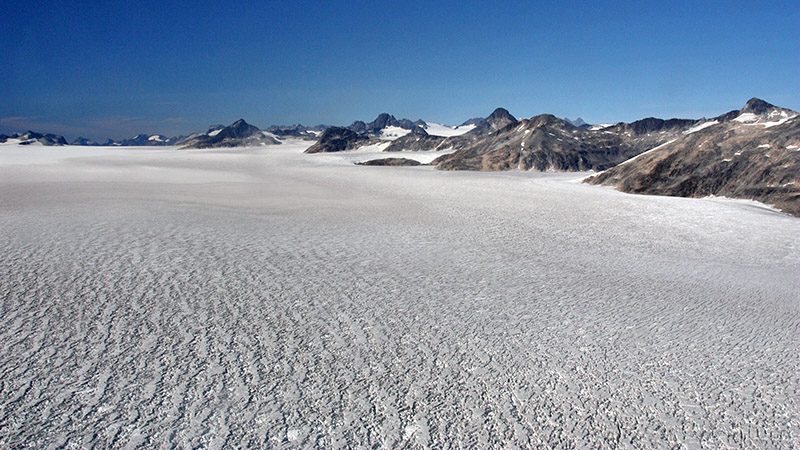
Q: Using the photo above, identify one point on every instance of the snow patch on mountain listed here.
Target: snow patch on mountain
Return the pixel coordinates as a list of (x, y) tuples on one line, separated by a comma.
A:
[(392, 132), (437, 129), (701, 126), (648, 151), (774, 118)]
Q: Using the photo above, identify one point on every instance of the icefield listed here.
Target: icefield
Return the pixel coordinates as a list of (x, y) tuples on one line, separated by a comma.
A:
[(158, 297)]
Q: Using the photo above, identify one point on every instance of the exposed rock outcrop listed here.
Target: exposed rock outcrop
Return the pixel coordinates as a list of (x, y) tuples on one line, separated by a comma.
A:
[(390, 162)]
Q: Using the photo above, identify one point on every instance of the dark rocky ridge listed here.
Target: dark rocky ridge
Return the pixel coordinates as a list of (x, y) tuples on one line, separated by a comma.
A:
[(296, 131), (418, 142), (337, 139), (386, 120)]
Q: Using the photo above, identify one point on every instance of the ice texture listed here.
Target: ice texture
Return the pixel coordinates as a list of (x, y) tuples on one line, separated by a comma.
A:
[(266, 298)]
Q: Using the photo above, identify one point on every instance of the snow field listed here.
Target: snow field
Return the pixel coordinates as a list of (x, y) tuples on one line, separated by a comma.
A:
[(264, 297)]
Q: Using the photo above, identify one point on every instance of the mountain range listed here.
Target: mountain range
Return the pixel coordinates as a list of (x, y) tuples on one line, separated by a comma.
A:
[(389, 131), (752, 152), (32, 137), (237, 134)]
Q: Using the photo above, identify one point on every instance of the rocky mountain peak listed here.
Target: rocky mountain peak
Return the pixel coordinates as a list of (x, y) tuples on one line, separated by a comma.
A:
[(501, 114), (241, 124), (579, 122), (500, 118), (382, 121), (548, 120), (757, 106), (239, 129)]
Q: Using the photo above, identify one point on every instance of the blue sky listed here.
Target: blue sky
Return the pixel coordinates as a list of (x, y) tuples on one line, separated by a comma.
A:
[(113, 69)]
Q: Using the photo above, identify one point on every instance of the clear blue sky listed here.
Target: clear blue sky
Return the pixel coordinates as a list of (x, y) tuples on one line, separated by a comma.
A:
[(118, 68)]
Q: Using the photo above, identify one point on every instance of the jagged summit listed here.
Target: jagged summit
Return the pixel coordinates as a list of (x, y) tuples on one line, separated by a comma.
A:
[(383, 120)]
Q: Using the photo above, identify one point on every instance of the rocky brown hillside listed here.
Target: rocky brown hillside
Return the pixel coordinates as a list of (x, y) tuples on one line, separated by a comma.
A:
[(752, 153), (546, 142)]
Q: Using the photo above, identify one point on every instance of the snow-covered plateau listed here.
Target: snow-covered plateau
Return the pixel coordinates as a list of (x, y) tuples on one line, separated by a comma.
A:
[(156, 297)]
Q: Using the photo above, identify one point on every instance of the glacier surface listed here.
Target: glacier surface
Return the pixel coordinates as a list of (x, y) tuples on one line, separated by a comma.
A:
[(155, 297)]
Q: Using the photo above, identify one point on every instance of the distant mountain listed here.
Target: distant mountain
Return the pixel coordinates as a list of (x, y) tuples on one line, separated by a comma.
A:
[(296, 131), (33, 138), (238, 134), (751, 153), (385, 121), (149, 140), (475, 130), (474, 121), (337, 139), (500, 118), (580, 123), (84, 141), (384, 129)]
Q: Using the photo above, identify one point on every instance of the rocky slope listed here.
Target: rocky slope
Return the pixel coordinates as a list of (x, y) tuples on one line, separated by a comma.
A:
[(238, 134), (752, 153)]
